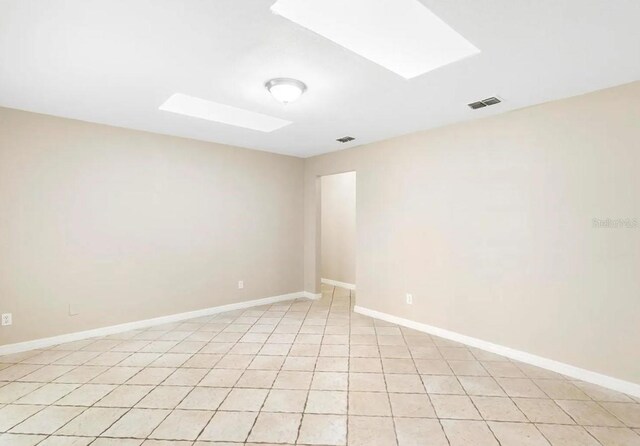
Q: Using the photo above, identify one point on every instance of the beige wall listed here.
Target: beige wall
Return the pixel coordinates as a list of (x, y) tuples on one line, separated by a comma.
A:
[(127, 225), (489, 225), (338, 230)]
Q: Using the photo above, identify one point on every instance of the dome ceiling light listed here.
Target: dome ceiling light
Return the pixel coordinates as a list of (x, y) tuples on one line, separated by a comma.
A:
[(285, 90)]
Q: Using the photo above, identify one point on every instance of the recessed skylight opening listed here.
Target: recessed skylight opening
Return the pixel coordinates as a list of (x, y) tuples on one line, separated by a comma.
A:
[(225, 114), (400, 35)]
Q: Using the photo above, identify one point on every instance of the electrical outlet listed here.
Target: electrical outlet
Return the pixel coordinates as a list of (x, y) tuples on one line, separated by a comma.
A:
[(409, 299), (73, 310), (7, 319), (240, 284)]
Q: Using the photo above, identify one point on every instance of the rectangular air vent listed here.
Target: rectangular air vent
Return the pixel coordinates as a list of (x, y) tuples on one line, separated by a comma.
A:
[(345, 139), (484, 103)]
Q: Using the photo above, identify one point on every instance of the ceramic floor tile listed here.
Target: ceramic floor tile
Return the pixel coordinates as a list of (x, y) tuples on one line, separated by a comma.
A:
[(559, 435), (467, 368), (221, 378), (599, 393), (204, 398), (229, 426), (300, 363), (48, 394), (411, 405), (469, 433), (137, 423), (116, 375), (444, 385), (369, 403), (13, 391), (92, 422), (48, 420), (20, 439), (164, 397), (628, 413), (276, 428), (323, 430), (332, 364), (520, 387), (285, 401), (415, 431), (398, 365), (561, 390), (257, 379), (371, 431), (124, 396), (454, 406), (517, 434), (151, 376), (614, 436), (502, 369), (249, 400), (86, 395), (182, 425), (433, 367), (326, 402), (15, 414), (481, 386), (293, 380), (81, 374), (498, 409), (403, 383), (46, 373), (63, 440), (330, 381), (367, 382), (543, 411), (365, 365), (589, 413)]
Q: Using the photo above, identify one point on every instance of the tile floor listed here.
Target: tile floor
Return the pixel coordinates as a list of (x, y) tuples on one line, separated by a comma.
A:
[(300, 372)]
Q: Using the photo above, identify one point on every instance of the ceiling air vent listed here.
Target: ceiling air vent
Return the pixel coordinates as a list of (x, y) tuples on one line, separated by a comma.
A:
[(484, 103), (345, 139)]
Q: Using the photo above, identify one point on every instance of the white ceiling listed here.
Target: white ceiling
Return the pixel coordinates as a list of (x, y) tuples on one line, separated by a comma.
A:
[(117, 61)]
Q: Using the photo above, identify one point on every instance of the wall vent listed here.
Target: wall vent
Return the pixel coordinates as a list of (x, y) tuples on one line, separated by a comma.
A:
[(345, 139), (484, 103)]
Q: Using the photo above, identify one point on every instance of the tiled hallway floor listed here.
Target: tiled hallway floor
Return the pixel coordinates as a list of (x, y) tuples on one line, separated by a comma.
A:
[(298, 372)]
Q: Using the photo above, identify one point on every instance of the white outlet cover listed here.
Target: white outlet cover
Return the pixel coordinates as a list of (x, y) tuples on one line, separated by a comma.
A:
[(409, 299), (240, 284), (7, 319)]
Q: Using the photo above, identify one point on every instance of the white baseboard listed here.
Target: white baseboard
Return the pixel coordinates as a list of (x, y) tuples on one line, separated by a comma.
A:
[(136, 325), (349, 286), (310, 295), (549, 364)]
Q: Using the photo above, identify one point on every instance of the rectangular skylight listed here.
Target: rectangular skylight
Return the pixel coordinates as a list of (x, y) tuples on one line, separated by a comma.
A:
[(400, 35), (225, 114)]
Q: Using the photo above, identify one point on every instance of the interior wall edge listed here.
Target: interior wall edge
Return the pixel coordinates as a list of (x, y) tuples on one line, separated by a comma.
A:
[(549, 364), (136, 325), (349, 286)]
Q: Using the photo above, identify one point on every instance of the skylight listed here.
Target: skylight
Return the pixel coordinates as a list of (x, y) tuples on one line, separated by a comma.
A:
[(400, 35), (225, 114)]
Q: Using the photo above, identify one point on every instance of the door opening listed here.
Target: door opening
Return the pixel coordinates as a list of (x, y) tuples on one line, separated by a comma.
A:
[(338, 236)]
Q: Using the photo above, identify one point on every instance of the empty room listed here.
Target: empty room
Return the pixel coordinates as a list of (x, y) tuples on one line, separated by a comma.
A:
[(320, 222)]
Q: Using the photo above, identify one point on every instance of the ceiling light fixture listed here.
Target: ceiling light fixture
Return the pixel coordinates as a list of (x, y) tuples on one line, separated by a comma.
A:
[(285, 90)]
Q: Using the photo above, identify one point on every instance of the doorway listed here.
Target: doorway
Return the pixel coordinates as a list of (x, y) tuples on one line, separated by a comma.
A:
[(338, 236)]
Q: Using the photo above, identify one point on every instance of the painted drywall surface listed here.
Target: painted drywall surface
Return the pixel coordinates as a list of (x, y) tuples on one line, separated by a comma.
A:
[(489, 224), (338, 215), (127, 225)]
